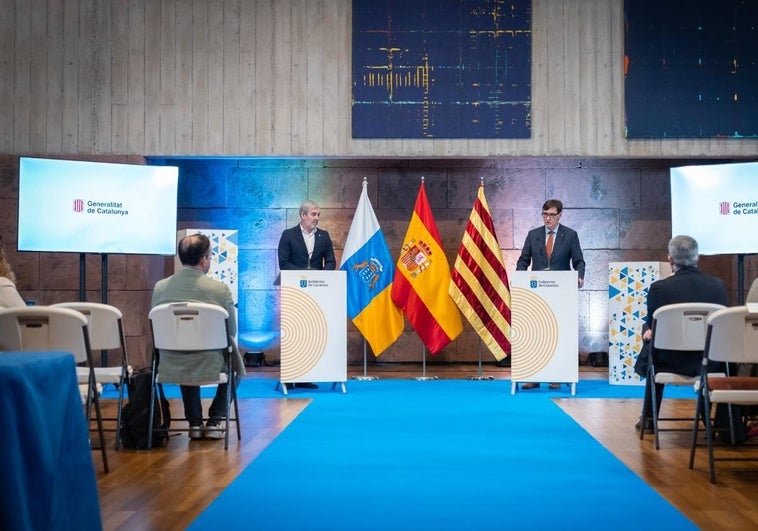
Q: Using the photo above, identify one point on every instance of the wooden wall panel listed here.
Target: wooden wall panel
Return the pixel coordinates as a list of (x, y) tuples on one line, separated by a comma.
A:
[(232, 104), (153, 69), (70, 110), (282, 81), (265, 25), (22, 77), (86, 78), (183, 105), (7, 87), (54, 53), (273, 78), (216, 70), (119, 71), (247, 64), (313, 117), (37, 81)]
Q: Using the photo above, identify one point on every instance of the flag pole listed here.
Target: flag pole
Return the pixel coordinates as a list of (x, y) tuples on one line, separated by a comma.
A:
[(423, 376), (479, 375), (365, 363)]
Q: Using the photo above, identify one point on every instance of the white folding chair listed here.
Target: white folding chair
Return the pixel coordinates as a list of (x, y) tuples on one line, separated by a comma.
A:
[(679, 327), (732, 338), (47, 328), (194, 327), (106, 334)]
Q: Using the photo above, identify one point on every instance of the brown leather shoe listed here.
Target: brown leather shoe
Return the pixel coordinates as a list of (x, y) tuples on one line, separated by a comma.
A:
[(530, 385), (555, 386)]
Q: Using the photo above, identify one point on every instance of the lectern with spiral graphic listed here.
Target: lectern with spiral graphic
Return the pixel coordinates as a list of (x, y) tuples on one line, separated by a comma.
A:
[(544, 327), (313, 327)]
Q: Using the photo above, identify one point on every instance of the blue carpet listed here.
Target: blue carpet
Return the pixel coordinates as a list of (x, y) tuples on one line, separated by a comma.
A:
[(265, 388), (439, 455)]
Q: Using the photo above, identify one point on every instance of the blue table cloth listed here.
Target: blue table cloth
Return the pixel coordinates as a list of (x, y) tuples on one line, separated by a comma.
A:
[(47, 475)]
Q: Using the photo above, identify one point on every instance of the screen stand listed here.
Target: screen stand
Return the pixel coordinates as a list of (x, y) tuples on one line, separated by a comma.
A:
[(740, 279), (104, 297), (82, 276), (103, 288)]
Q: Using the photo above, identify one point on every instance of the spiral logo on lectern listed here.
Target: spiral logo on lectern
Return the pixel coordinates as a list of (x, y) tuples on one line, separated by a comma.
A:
[(304, 333), (534, 333)]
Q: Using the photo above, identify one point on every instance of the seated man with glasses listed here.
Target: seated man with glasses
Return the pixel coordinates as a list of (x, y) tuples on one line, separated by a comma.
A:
[(551, 247)]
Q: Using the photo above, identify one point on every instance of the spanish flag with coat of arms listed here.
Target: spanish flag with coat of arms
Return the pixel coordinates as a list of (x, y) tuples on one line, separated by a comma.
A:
[(421, 280)]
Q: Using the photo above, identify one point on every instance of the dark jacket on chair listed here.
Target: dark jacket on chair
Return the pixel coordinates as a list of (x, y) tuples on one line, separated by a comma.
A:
[(688, 284)]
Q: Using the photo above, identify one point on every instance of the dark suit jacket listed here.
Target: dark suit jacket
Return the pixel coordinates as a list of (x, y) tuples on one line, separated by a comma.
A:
[(566, 250), (293, 254), (688, 284)]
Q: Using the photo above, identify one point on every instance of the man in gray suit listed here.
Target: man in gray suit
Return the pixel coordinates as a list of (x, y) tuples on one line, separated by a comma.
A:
[(551, 247), (192, 284)]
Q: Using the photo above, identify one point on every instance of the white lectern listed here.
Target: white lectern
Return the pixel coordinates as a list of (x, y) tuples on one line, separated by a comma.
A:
[(313, 327), (544, 327)]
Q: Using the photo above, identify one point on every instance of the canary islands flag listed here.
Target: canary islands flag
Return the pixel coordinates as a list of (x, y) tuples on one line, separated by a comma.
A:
[(370, 272), (422, 279)]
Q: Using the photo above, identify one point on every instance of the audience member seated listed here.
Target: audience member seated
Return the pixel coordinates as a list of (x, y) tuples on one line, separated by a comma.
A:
[(752, 295), (191, 283), (687, 284), (9, 297)]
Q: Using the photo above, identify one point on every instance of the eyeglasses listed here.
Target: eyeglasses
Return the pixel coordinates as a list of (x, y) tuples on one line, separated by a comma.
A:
[(550, 214)]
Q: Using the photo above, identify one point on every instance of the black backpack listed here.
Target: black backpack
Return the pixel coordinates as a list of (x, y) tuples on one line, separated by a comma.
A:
[(136, 413)]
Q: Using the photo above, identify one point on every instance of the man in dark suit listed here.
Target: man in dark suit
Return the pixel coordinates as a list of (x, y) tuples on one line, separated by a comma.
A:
[(551, 247), (305, 246), (687, 284), (563, 248)]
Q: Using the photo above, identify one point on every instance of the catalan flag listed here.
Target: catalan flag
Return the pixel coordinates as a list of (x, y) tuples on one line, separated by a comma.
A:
[(422, 274), (479, 283), (370, 272)]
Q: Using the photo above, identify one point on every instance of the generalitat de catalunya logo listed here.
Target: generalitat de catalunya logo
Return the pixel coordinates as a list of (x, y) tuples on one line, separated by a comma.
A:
[(108, 208), (738, 208)]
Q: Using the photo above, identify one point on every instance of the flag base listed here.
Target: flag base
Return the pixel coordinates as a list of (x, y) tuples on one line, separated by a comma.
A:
[(424, 378), (365, 378), (479, 377)]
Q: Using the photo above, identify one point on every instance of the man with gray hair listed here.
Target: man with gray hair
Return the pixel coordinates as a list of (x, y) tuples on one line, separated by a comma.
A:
[(687, 284), (306, 246)]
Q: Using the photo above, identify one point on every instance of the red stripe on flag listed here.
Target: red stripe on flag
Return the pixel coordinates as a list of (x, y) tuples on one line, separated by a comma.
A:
[(490, 290), (422, 320)]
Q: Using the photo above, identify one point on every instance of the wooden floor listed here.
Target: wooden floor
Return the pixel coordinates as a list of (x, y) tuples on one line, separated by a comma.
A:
[(167, 488)]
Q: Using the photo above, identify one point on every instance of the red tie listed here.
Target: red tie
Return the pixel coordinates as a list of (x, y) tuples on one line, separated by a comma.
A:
[(549, 244)]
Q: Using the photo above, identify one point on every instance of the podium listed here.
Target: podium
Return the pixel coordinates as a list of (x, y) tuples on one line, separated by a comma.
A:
[(313, 327), (628, 284), (544, 327)]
